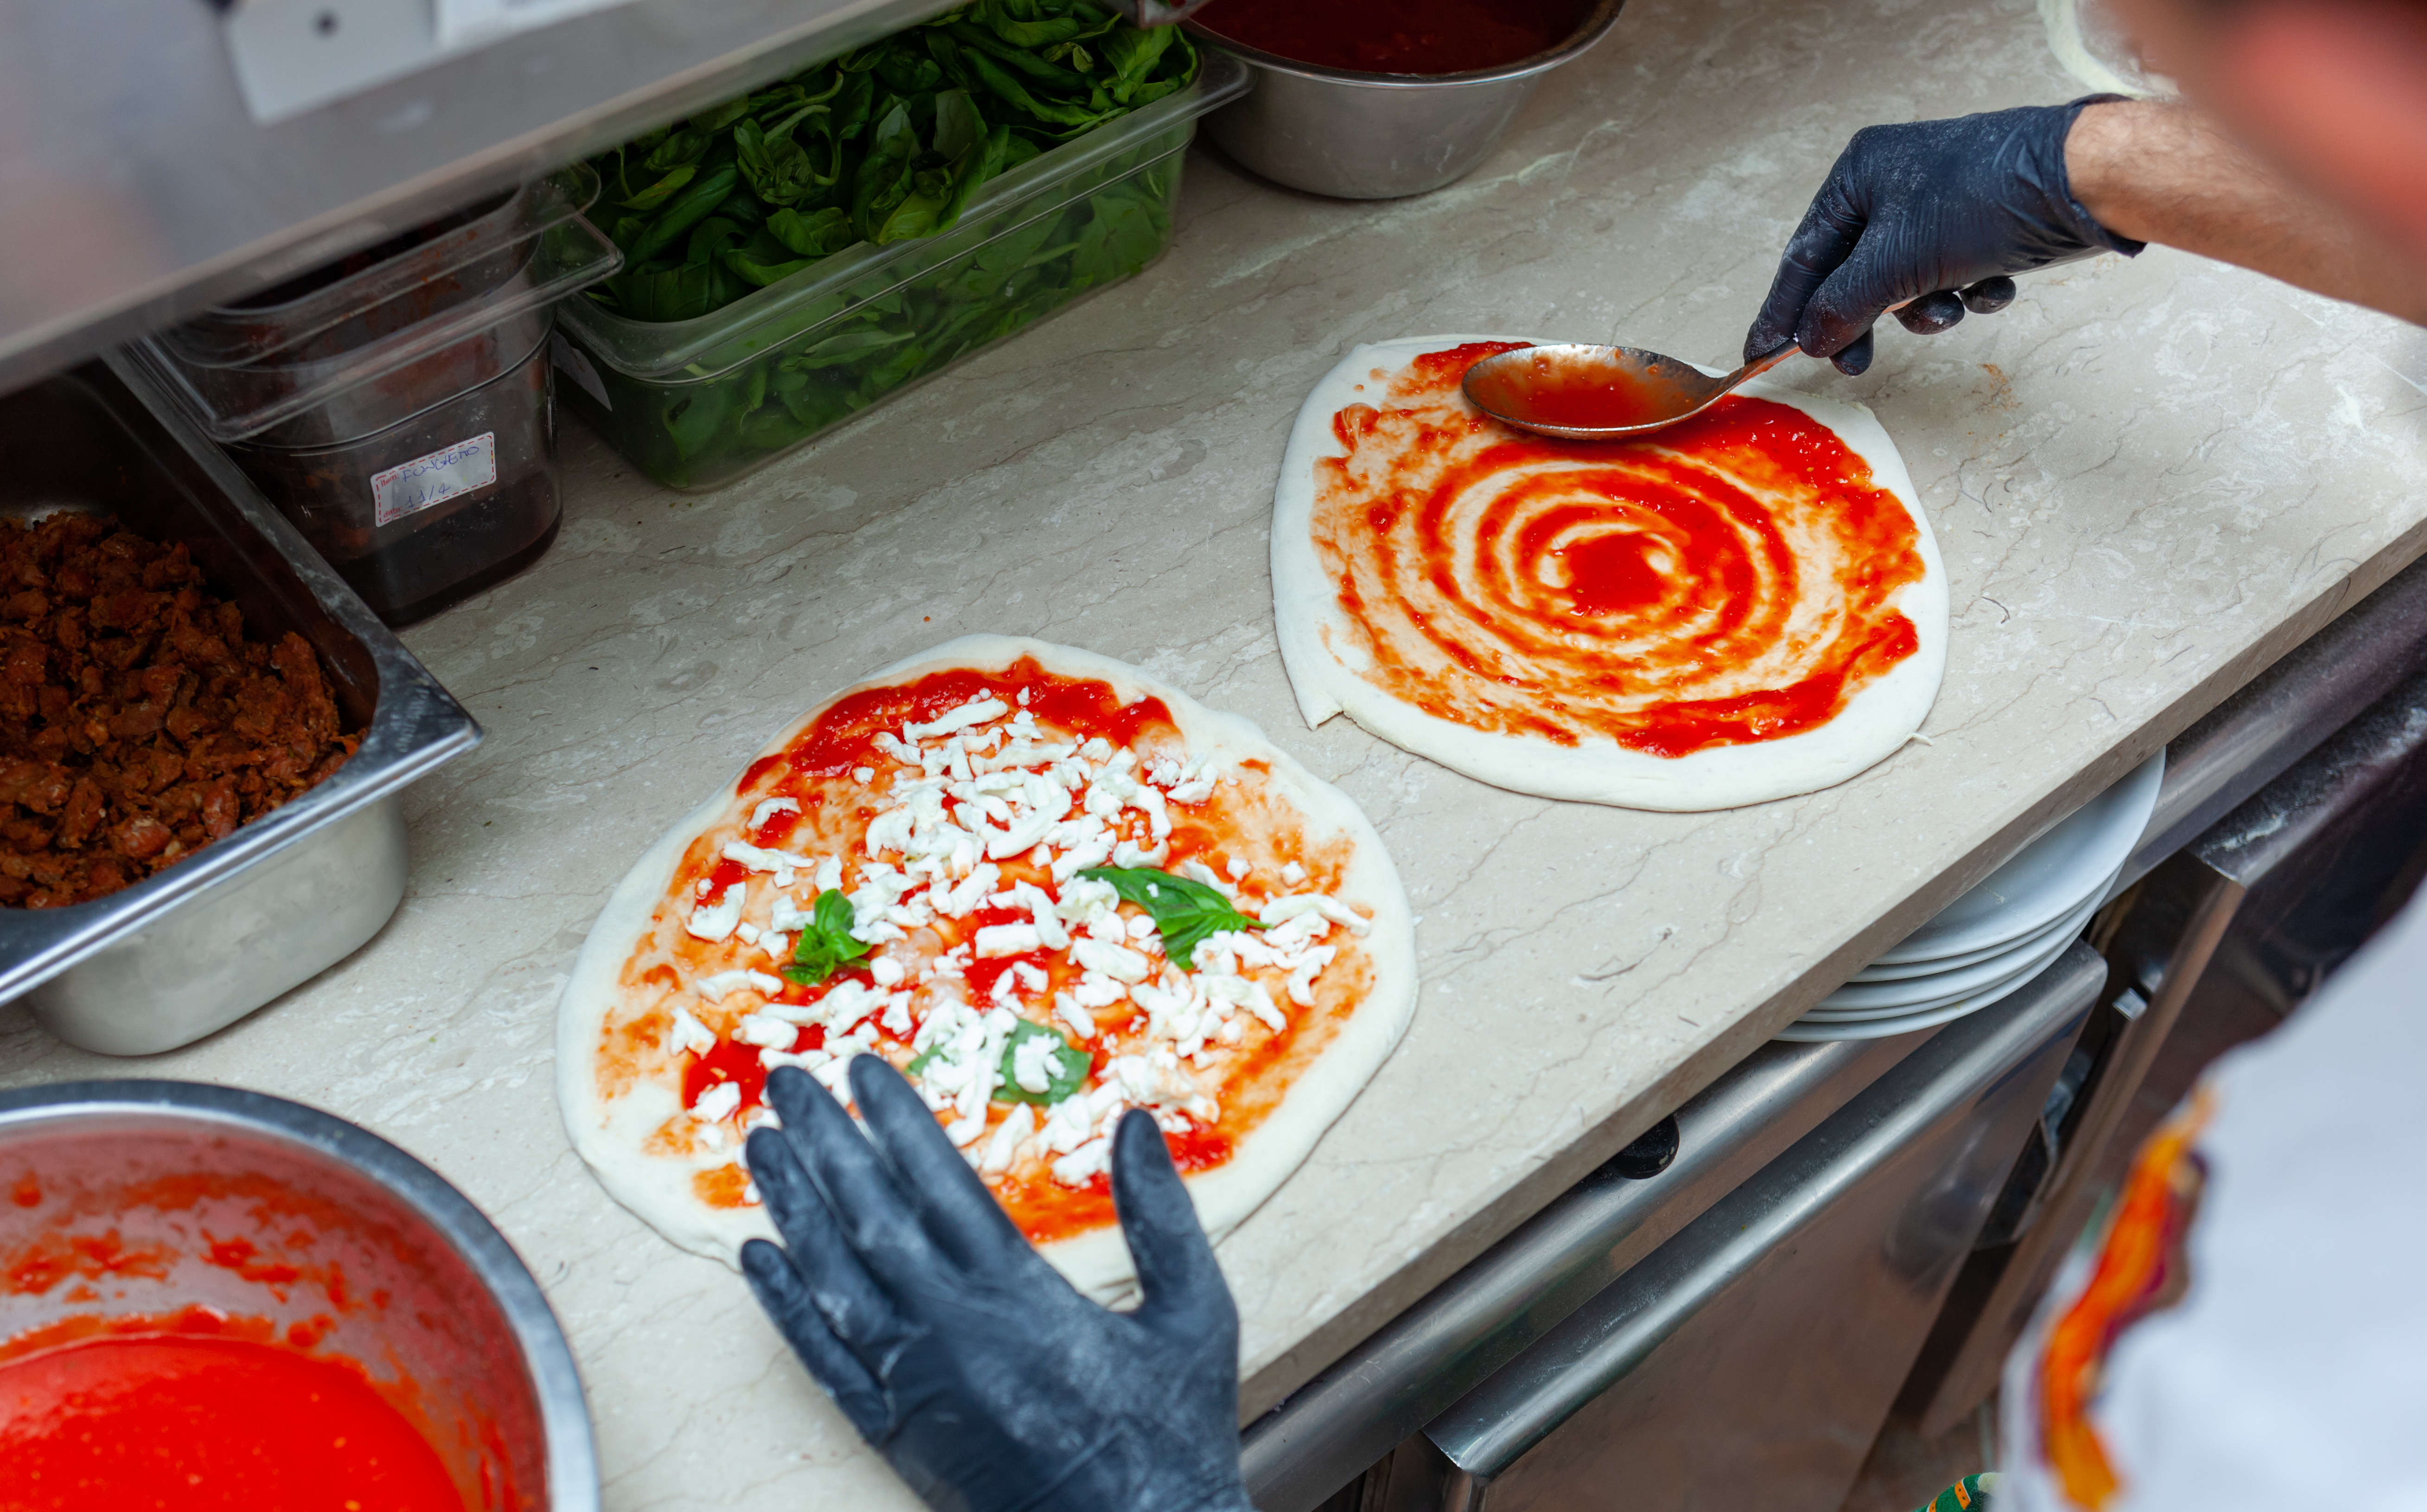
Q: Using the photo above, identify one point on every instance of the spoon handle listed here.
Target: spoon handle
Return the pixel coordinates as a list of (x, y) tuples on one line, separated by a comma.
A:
[(1763, 363)]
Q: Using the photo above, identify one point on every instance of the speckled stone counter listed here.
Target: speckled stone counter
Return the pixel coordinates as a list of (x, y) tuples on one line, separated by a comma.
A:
[(2148, 478)]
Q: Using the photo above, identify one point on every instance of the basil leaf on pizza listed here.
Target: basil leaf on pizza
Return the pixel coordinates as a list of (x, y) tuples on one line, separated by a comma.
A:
[(826, 943), (1184, 910), (1047, 890), (1039, 1066)]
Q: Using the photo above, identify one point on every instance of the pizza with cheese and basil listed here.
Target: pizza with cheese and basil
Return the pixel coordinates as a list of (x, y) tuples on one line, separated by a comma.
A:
[(1741, 607), (1045, 888)]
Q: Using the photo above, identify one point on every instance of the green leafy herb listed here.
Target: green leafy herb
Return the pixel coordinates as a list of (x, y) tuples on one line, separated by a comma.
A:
[(1066, 1066), (886, 144), (894, 137), (1185, 911), (826, 946)]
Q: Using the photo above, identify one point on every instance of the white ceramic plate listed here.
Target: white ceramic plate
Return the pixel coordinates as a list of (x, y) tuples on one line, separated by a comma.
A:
[(2047, 879), (1900, 970), (2021, 968), (1945, 986), (1803, 1031)]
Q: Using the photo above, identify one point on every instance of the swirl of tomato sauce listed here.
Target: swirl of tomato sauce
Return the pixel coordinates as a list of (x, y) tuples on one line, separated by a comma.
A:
[(1730, 580)]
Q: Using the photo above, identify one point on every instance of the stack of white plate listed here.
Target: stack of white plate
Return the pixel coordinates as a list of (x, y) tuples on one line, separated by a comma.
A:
[(1993, 939)]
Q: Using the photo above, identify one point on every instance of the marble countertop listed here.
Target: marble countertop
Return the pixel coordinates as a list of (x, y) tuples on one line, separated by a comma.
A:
[(2148, 478)]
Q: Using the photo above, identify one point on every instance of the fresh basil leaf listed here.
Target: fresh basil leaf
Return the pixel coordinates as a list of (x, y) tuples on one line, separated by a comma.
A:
[(844, 347), (1041, 26), (1185, 911), (657, 194), (820, 233), (716, 120), (826, 943), (762, 274), (778, 169), (709, 237), (928, 192), (1067, 1073), (683, 292), (1133, 54), (697, 201), (1122, 237)]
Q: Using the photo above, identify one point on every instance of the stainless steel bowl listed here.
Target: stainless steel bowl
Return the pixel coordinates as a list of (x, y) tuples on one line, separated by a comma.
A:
[(1376, 135), (351, 1239), (208, 940)]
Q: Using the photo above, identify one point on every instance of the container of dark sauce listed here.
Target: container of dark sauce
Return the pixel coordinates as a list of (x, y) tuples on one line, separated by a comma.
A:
[(1376, 99), (397, 405)]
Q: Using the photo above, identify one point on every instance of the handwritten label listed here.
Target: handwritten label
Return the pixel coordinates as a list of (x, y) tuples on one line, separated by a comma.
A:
[(415, 485), (574, 364)]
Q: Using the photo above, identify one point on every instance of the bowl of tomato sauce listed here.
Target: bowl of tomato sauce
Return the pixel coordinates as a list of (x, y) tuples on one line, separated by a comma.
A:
[(213, 1298), (1379, 99)]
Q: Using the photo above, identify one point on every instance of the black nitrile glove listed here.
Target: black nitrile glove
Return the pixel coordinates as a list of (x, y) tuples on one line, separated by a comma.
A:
[(985, 1378), (1940, 212)]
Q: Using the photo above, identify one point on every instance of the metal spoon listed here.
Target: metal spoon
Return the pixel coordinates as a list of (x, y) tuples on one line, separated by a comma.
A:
[(1548, 390)]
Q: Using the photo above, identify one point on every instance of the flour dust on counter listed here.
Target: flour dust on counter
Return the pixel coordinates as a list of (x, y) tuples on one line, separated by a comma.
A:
[(1046, 889), (1742, 607)]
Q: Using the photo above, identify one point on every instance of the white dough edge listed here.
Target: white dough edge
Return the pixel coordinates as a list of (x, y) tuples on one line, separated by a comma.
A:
[(1098, 1263), (1875, 724)]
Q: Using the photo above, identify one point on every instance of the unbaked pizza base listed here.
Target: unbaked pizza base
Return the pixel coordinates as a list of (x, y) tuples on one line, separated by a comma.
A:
[(658, 1190), (1875, 724)]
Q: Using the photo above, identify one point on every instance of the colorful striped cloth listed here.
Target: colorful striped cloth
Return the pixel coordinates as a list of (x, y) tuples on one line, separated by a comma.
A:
[(1973, 1493)]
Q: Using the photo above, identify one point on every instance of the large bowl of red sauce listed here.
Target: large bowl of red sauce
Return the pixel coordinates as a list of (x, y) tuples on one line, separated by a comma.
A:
[(212, 1298), (1377, 99)]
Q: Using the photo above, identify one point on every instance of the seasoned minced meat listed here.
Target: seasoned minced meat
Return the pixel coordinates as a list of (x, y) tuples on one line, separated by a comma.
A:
[(136, 723)]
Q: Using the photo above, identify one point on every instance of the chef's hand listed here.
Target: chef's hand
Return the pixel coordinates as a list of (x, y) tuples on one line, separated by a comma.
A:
[(1939, 212), (985, 1379)]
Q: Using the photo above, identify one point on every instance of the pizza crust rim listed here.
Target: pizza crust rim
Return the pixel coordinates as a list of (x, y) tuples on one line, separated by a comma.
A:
[(1097, 1262), (1876, 723)]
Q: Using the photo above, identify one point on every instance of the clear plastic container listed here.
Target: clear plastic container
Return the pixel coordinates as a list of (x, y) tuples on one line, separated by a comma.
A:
[(697, 403), (397, 405)]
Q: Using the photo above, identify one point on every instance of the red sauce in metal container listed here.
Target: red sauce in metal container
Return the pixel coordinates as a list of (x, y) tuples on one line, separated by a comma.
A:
[(1396, 36), (184, 1423), (1730, 580)]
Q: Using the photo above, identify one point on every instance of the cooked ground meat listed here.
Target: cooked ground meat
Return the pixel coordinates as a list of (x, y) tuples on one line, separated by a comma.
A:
[(136, 723)]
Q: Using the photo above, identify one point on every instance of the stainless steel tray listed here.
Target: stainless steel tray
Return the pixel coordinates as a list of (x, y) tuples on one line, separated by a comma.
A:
[(200, 944)]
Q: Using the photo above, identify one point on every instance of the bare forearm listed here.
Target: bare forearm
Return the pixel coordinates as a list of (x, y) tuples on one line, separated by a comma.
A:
[(2165, 173)]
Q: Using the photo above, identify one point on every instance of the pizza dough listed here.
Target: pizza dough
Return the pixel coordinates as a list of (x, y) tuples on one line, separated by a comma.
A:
[(1514, 675), (1245, 1060)]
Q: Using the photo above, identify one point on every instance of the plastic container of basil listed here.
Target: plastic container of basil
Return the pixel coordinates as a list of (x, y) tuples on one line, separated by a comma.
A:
[(699, 402)]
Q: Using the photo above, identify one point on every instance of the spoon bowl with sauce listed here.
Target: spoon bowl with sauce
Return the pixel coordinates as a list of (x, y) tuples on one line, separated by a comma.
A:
[(1580, 393)]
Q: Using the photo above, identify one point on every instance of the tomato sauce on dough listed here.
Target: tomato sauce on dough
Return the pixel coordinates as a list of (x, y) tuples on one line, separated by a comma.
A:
[(1730, 580), (175, 1423), (1397, 36)]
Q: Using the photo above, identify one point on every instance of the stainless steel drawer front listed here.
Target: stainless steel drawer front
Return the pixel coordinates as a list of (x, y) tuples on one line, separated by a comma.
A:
[(1751, 1359), (1328, 1431)]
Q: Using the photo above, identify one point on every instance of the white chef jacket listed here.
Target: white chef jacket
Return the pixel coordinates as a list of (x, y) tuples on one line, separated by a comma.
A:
[(2272, 1357)]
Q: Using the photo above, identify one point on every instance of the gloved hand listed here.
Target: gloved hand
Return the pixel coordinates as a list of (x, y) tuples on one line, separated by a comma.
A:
[(1938, 212), (985, 1379)]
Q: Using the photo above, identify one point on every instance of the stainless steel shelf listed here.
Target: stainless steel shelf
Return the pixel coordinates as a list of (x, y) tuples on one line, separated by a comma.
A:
[(143, 173)]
